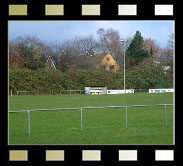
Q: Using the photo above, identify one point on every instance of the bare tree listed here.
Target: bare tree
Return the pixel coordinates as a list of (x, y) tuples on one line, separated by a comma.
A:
[(85, 46), (166, 56), (77, 53), (110, 43)]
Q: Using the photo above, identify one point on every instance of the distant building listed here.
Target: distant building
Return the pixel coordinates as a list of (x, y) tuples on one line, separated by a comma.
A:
[(109, 64), (166, 68), (156, 62)]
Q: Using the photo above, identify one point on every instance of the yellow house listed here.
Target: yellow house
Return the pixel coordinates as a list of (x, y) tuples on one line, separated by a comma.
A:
[(109, 64)]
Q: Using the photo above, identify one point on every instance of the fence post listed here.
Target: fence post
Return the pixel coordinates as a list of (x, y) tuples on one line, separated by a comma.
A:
[(11, 92), (29, 123), (126, 117), (81, 119), (165, 116), (17, 93)]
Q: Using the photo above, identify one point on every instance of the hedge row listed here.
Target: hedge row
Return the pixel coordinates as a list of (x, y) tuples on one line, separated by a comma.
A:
[(49, 79)]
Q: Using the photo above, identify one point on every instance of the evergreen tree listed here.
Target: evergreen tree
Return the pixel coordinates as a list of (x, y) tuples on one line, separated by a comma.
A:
[(135, 52), (151, 52)]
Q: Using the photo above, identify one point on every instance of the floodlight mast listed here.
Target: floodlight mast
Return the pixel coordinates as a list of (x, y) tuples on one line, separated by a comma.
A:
[(123, 41)]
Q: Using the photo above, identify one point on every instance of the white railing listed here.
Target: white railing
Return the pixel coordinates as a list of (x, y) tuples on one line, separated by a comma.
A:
[(81, 109), (25, 92), (49, 92), (70, 91)]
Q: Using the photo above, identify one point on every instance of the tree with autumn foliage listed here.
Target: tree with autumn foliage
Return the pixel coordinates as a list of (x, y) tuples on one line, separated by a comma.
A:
[(15, 57), (27, 52), (153, 53)]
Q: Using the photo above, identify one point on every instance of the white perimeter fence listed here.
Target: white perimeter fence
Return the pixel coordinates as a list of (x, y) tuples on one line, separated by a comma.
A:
[(51, 92), (82, 108)]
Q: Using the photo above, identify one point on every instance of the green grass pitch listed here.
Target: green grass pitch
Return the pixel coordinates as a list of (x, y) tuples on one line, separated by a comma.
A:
[(146, 125)]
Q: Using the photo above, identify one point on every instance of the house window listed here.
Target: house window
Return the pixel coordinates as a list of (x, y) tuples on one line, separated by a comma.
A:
[(112, 67), (107, 59)]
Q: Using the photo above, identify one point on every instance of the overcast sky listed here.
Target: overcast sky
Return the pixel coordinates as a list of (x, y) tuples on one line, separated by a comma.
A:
[(60, 31)]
